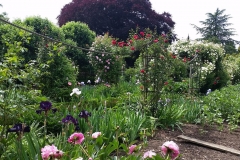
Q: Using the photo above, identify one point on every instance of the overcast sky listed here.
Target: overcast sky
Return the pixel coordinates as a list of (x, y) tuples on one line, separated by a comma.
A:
[(184, 12)]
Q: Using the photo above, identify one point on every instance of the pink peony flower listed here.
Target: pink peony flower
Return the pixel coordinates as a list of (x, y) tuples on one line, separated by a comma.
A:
[(96, 135), (131, 149), (50, 151), (170, 148), (149, 154), (76, 138)]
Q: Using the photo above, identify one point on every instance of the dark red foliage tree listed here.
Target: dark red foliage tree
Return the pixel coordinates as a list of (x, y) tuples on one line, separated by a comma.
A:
[(117, 17)]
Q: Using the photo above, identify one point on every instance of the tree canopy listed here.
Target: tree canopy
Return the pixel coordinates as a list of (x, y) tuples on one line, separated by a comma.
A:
[(116, 17), (216, 28)]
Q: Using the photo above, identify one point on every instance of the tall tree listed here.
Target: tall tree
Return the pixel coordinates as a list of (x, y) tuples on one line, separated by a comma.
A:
[(216, 28), (116, 17)]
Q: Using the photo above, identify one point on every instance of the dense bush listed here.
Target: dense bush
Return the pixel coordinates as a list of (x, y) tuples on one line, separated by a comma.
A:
[(211, 74), (57, 74), (222, 106)]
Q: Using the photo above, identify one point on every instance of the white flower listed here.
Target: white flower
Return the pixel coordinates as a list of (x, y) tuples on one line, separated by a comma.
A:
[(79, 158), (76, 91)]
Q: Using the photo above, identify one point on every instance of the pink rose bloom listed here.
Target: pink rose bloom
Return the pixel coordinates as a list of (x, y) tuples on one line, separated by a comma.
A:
[(149, 154), (50, 151), (131, 149), (69, 83), (76, 138), (96, 135), (170, 148)]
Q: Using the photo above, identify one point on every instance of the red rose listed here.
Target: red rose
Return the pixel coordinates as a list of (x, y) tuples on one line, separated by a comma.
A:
[(142, 71), (165, 41), (142, 34), (148, 35), (155, 41), (120, 44), (132, 48), (135, 37), (114, 42)]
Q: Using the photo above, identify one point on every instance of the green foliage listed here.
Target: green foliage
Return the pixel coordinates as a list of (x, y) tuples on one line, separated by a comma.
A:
[(232, 64), (41, 26), (222, 106), (130, 74), (79, 33), (56, 71), (81, 61)]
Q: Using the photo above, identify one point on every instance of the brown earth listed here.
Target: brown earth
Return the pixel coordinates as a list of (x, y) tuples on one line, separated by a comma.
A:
[(191, 151)]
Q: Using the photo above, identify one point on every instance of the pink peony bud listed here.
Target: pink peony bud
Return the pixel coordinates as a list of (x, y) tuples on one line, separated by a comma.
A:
[(96, 135)]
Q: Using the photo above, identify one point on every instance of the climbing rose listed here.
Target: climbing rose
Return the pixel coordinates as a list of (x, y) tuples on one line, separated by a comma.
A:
[(76, 138), (114, 42), (170, 148), (142, 34), (142, 71), (149, 154), (135, 37)]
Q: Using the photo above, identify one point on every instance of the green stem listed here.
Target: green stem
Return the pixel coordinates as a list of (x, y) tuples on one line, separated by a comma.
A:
[(84, 151)]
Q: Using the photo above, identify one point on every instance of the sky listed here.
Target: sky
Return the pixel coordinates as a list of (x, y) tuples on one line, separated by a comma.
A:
[(184, 12)]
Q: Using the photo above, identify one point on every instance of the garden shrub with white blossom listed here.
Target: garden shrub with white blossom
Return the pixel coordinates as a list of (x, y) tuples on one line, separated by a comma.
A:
[(210, 59)]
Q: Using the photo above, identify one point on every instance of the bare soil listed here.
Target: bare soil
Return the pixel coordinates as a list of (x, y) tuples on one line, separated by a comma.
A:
[(191, 151)]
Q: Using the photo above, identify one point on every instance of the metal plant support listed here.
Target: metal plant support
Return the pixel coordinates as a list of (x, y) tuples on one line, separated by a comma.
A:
[(194, 75)]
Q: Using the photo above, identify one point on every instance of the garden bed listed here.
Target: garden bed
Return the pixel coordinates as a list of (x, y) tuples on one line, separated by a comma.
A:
[(191, 151)]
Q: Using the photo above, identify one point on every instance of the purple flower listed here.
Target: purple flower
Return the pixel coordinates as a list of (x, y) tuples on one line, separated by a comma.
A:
[(84, 114), (69, 119), (19, 128), (46, 106)]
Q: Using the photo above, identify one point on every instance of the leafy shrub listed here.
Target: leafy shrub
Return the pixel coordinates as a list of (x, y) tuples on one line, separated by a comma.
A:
[(209, 63), (107, 66), (222, 106), (56, 71)]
